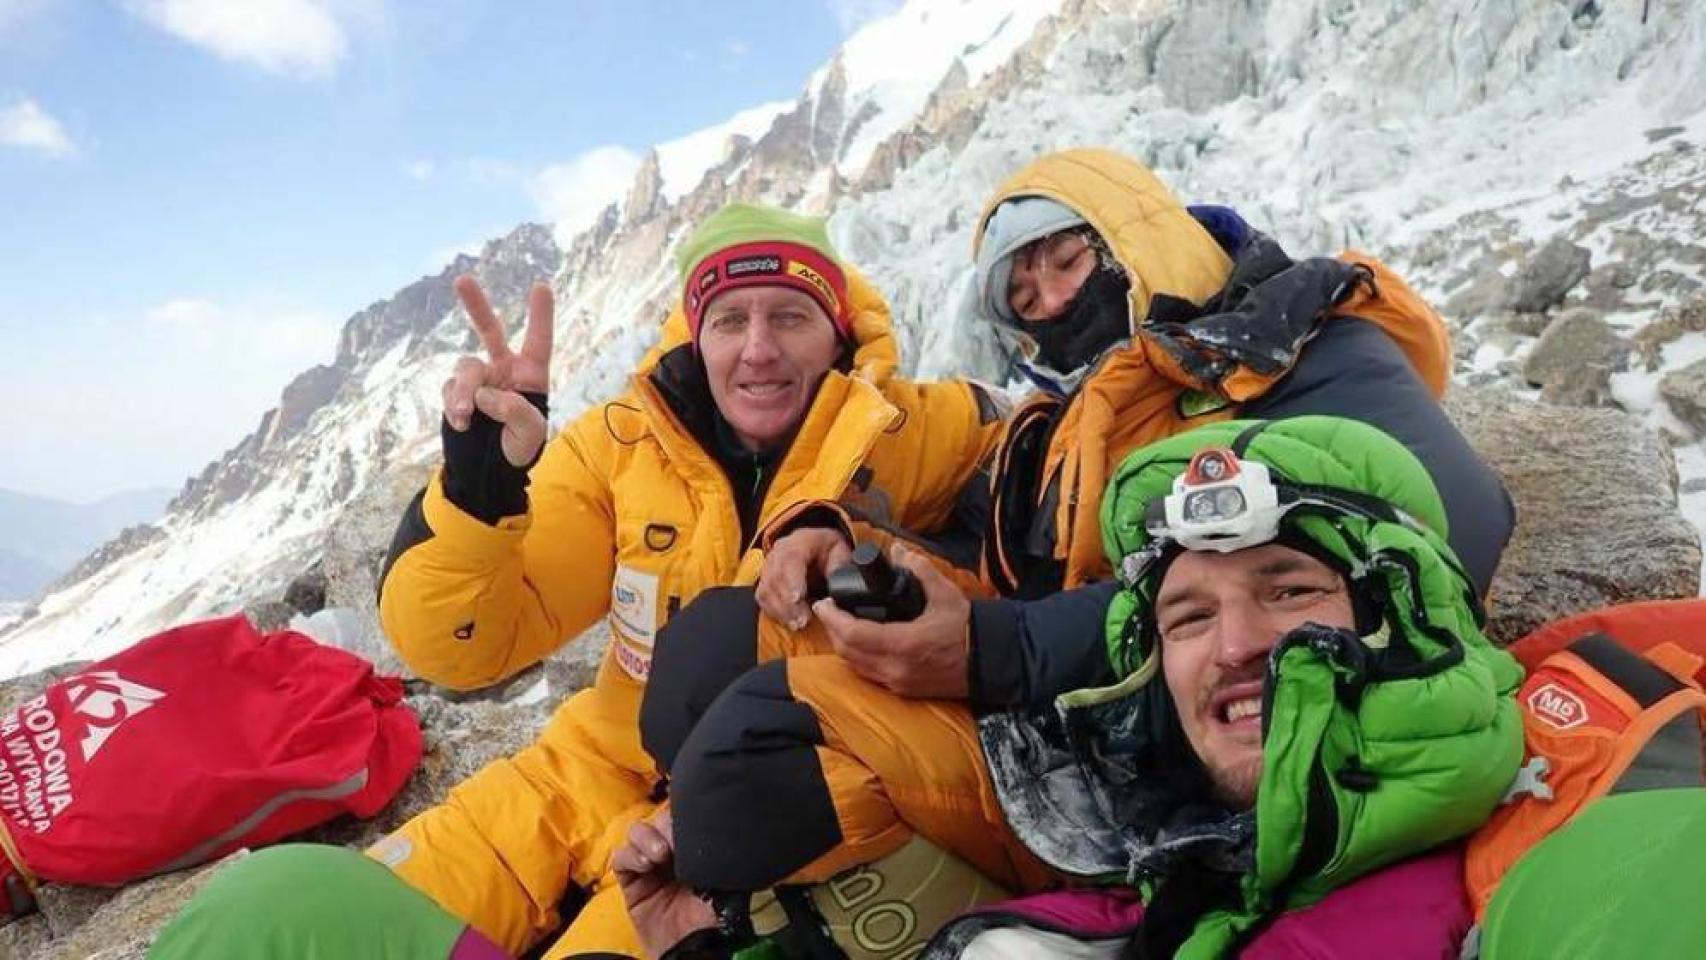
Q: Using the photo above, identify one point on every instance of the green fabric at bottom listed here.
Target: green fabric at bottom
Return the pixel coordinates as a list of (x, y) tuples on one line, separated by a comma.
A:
[(307, 902), (1622, 879)]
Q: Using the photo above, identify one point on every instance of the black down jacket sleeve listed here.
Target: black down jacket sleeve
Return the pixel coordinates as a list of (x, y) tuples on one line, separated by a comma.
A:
[(1026, 653), (1352, 369)]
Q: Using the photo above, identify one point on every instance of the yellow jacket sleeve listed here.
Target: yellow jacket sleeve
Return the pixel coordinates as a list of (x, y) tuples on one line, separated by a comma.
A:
[(472, 604), (959, 426), (923, 475)]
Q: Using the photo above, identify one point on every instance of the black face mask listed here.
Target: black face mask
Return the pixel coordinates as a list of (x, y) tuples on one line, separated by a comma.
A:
[(1096, 319)]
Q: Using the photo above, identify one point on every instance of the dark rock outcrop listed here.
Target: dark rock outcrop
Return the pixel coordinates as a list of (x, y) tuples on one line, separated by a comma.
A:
[(1596, 500), (1548, 276), (307, 593), (1576, 338), (1684, 391)]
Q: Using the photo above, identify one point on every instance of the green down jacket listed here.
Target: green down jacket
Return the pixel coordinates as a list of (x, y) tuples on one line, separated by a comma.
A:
[(1376, 746)]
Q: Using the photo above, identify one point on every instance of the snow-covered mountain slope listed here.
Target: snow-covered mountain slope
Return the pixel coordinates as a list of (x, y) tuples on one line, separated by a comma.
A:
[(683, 162), (1455, 138), (891, 68)]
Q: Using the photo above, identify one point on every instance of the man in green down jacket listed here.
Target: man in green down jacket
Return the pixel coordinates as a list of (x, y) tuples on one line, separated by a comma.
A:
[(1307, 698)]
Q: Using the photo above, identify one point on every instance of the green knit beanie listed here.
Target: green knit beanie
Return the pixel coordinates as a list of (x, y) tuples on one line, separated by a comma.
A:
[(747, 244)]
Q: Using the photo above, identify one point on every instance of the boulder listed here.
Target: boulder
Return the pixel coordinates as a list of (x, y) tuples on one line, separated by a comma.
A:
[(354, 630), (1483, 293), (18, 689), (121, 924), (1541, 281), (1545, 278), (307, 593), (1575, 338), (269, 615), (26, 939), (1684, 391), (352, 556), (575, 665), (1685, 318), (460, 739), (1526, 324), (1583, 385), (1596, 501)]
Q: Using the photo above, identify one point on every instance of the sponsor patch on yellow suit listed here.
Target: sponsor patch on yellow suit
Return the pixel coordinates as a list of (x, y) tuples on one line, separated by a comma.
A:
[(634, 619)]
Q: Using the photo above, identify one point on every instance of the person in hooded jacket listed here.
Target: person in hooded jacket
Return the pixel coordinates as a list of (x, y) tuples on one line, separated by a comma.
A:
[(773, 386), (1139, 318)]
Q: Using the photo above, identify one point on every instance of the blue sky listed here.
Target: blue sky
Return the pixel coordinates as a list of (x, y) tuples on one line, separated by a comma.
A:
[(194, 194)]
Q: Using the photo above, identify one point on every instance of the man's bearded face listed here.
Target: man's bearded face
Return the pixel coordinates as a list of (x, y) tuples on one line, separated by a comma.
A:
[(1218, 615)]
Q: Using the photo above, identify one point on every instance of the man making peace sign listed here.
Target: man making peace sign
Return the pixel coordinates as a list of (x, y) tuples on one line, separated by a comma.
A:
[(771, 388)]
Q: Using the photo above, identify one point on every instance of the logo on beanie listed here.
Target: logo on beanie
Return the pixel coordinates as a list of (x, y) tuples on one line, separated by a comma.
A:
[(750, 265), (798, 269), (707, 280)]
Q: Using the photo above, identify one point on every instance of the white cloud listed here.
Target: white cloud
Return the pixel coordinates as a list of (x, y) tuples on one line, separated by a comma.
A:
[(26, 125), (183, 312), (421, 170), (572, 194), (15, 13), (734, 52), (853, 14), (152, 396), (569, 195), (295, 38), (234, 329)]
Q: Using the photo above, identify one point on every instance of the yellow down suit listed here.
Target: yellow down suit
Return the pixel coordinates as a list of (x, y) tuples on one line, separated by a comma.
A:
[(630, 516)]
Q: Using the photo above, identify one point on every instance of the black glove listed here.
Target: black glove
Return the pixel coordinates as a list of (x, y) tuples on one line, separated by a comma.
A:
[(1266, 329), (478, 478)]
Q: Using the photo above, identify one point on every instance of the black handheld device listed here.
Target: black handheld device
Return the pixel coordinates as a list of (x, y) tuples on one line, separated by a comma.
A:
[(871, 588)]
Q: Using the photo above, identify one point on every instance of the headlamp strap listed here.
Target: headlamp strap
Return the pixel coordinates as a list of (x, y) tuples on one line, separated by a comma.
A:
[(1350, 501)]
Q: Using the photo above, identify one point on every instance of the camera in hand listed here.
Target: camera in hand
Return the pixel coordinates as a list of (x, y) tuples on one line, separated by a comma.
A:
[(871, 588)]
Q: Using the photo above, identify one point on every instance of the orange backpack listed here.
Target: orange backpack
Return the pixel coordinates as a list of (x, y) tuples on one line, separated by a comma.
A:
[(1612, 704)]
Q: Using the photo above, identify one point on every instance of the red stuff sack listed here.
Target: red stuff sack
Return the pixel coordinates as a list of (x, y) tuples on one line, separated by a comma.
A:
[(191, 744)]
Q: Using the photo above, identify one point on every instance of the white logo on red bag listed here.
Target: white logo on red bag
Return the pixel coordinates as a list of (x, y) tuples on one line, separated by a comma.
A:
[(35, 777), (1558, 706), (108, 700)]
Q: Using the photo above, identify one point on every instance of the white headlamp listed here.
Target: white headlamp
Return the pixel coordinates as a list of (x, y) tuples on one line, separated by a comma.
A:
[(1220, 503)]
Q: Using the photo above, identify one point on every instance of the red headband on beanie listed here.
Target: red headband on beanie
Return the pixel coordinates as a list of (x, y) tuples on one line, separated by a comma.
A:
[(769, 264)]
